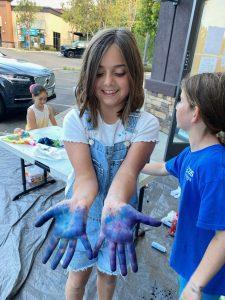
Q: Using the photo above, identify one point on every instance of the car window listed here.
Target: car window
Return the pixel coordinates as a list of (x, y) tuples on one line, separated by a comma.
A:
[(81, 45), (74, 44)]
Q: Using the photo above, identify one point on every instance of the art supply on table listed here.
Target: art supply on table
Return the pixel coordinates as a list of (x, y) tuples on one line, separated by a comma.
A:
[(20, 136), (50, 142)]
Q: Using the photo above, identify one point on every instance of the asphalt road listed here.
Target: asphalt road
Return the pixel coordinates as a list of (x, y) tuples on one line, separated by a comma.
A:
[(65, 82)]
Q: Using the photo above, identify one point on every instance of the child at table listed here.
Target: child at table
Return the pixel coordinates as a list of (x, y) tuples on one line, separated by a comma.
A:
[(198, 254), (39, 114)]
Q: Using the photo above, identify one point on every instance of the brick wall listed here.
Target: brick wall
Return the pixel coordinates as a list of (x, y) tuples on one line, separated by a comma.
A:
[(160, 106)]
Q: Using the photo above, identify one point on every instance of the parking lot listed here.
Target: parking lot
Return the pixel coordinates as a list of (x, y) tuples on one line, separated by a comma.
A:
[(65, 82)]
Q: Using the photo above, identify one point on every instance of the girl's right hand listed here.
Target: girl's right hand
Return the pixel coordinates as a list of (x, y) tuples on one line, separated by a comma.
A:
[(70, 220)]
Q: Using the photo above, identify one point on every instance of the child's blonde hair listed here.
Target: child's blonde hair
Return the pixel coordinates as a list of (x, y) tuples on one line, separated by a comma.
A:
[(97, 47)]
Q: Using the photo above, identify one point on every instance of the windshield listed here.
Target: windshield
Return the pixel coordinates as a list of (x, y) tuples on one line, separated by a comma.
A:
[(74, 44)]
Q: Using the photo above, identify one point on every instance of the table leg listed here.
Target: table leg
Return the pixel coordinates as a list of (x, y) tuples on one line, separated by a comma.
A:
[(24, 182)]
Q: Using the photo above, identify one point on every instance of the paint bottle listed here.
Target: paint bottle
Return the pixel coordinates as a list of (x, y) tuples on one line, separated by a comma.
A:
[(158, 247)]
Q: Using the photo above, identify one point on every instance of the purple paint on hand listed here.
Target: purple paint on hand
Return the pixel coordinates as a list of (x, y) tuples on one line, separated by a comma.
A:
[(69, 225), (117, 228)]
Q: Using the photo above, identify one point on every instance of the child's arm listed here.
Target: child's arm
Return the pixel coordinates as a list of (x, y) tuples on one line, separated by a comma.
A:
[(86, 184), (31, 120), (118, 218), (211, 263), (155, 169), (70, 215), (52, 116), (124, 183)]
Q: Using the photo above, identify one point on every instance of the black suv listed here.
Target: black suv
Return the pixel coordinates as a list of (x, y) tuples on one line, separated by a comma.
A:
[(16, 76), (76, 49)]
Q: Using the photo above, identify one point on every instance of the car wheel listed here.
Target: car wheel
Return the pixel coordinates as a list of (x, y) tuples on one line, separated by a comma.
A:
[(2, 109), (70, 54)]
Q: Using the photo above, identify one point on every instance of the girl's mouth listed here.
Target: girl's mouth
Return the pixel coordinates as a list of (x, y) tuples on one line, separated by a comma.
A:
[(109, 92)]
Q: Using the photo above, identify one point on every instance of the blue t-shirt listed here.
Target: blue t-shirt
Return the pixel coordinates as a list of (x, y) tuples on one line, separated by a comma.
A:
[(202, 209)]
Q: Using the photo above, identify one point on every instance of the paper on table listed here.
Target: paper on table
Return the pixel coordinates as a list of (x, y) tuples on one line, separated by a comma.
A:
[(50, 153)]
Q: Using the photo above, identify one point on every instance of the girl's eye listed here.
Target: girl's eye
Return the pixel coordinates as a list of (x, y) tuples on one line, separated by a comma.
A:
[(116, 74), (120, 74)]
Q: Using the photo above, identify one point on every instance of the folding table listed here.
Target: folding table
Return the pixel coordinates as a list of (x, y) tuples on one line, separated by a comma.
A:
[(58, 168)]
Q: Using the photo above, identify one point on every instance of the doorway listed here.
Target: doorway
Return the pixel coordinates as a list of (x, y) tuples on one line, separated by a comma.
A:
[(56, 40)]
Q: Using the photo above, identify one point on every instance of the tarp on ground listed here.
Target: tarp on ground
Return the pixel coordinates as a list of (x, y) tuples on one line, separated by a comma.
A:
[(22, 274)]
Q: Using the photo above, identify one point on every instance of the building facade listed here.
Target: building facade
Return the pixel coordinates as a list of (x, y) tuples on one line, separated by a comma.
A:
[(6, 24), (190, 39), (48, 31)]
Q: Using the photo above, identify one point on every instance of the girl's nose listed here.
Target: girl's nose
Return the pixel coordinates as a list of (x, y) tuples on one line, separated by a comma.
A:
[(108, 79)]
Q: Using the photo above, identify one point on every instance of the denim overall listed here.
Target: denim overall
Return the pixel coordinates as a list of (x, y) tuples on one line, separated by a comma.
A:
[(106, 161)]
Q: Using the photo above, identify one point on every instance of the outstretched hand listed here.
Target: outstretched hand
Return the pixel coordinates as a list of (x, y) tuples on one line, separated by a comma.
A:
[(69, 225), (117, 226)]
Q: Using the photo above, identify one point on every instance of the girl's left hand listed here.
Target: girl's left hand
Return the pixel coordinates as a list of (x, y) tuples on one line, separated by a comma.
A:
[(191, 293), (118, 221)]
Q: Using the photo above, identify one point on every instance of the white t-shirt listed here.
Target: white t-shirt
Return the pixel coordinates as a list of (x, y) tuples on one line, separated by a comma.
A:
[(146, 130)]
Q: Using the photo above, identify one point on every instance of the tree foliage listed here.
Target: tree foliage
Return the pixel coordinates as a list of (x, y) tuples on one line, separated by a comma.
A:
[(25, 12), (147, 17), (81, 15), (90, 15)]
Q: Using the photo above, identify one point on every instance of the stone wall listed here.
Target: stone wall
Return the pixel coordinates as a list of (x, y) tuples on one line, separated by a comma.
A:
[(160, 106)]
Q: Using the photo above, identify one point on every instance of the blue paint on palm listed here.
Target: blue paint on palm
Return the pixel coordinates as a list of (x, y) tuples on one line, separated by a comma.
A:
[(69, 225), (117, 228)]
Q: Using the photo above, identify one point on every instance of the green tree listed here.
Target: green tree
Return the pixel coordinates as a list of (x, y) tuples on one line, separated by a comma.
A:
[(146, 23), (26, 14), (121, 13), (81, 15), (90, 15), (147, 17)]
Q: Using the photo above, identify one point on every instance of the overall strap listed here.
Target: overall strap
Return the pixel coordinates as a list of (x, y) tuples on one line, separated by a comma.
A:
[(132, 121)]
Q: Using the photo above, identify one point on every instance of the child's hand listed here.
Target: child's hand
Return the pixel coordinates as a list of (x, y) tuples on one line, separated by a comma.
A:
[(69, 225), (191, 292), (118, 221)]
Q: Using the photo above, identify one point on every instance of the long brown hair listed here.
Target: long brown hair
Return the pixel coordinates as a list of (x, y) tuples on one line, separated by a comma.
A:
[(97, 47), (207, 91)]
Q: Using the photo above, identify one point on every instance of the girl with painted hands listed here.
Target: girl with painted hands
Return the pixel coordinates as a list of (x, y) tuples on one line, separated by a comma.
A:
[(198, 253), (108, 141)]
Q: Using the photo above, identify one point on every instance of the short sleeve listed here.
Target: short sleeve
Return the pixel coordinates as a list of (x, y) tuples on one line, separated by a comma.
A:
[(73, 128), (173, 166), (212, 208), (147, 128)]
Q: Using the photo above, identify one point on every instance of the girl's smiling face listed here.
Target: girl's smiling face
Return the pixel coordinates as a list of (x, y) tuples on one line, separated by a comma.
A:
[(112, 83)]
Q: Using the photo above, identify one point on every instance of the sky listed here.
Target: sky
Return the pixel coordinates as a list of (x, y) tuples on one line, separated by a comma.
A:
[(48, 3)]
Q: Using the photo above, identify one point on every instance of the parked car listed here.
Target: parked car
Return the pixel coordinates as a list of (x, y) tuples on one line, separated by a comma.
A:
[(76, 49), (16, 76)]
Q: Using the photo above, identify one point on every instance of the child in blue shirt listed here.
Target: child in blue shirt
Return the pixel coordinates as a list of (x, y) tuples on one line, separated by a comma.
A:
[(198, 253)]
